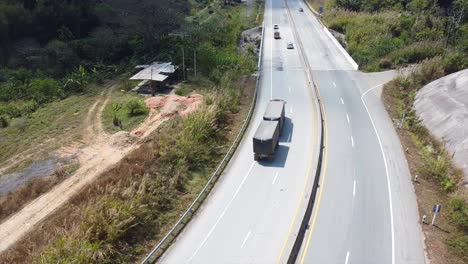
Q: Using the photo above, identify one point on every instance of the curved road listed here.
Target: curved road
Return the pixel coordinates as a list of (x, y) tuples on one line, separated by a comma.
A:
[(355, 219), (365, 211), (253, 213)]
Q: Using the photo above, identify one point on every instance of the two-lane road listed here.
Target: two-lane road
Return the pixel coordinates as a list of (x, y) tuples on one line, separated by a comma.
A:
[(353, 219), (253, 213)]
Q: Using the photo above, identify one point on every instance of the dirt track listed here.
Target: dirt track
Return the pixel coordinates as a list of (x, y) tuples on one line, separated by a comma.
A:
[(100, 153)]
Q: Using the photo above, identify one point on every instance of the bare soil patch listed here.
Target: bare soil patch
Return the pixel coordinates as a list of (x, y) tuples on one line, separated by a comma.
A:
[(101, 152)]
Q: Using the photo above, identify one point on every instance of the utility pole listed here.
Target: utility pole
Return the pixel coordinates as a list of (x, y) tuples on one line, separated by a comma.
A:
[(183, 63), (195, 62)]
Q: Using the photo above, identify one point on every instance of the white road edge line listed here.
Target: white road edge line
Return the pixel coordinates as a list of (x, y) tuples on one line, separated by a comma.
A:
[(347, 118), (246, 237), (354, 188), (347, 257), (342, 101), (271, 55), (274, 179), (340, 48), (221, 215), (386, 172), (352, 142), (370, 89)]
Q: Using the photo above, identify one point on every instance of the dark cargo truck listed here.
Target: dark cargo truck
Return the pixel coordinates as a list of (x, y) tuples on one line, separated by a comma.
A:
[(266, 140), (275, 112)]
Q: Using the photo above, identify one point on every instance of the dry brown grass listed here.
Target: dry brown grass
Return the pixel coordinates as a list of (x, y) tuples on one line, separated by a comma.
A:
[(429, 190), (128, 209)]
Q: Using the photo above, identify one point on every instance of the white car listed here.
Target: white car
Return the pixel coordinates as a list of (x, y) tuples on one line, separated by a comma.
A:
[(275, 26), (290, 45)]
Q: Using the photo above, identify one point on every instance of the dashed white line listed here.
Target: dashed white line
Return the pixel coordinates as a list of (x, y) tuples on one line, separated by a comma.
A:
[(354, 188), (347, 118), (246, 237), (274, 179), (342, 102), (347, 257), (291, 110), (221, 215), (334, 84), (352, 142), (289, 87)]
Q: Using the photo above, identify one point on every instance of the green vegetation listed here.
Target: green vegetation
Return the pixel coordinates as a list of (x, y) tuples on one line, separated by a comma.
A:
[(53, 49), (436, 163), (47, 124), (124, 112), (388, 34), (134, 203)]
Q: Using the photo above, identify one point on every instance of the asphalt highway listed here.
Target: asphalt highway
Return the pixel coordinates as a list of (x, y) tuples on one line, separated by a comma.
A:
[(365, 210), (254, 212), (354, 215)]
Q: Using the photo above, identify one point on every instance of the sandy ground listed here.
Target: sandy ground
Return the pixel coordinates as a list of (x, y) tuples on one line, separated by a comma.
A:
[(101, 151)]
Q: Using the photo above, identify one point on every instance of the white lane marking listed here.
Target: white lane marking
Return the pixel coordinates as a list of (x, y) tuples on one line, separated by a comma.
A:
[(246, 237), (352, 142), (271, 55), (347, 118), (274, 180), (342, 102), (347, 257), (388, 177), (354, 188), (289, 87), (221, 215), (291, 110), (334, 84), (370, 89)]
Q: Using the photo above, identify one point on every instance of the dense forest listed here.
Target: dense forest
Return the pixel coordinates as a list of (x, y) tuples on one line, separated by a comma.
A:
[(52, 48)]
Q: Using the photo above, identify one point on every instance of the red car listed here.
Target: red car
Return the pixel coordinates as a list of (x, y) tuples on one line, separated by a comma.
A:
[(277, 35)]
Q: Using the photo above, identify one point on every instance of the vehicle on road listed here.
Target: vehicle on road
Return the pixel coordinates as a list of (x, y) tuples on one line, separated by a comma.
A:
[(301, 9), (266, 140), (275, 26), (275, 112), (290, 45), (277, 35)]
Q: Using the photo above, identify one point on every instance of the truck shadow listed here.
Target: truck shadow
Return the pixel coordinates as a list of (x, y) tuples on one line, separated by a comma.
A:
[(288, 128), (281, 154)]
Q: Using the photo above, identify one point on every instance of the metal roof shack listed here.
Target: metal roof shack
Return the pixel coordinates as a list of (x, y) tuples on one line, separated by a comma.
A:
[(156, 71)]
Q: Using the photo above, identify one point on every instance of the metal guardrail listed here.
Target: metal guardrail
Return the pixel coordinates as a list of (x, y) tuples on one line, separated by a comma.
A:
[(167, 240), (310, 204)]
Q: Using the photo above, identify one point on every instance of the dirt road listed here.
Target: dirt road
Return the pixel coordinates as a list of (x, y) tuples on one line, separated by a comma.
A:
[(102, 152)]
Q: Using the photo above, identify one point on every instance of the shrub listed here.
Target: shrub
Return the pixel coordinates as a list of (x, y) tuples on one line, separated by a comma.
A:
[(454, 62), (136, 107), (3, 121), (416, 52), (45, 90)]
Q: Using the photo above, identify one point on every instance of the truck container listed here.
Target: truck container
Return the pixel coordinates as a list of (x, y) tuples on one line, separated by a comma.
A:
[(275, 112), (266, 139)]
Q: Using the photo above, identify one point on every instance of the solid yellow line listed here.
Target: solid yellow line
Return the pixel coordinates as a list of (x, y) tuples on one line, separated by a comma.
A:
[(308, 173), (322, 185)]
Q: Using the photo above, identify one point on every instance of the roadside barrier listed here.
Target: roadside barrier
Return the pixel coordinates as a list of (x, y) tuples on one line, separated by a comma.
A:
[(167, 240)]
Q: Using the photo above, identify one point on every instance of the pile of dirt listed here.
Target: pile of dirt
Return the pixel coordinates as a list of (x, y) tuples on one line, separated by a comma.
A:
[(170, 105), (442, 105), (122, 139)]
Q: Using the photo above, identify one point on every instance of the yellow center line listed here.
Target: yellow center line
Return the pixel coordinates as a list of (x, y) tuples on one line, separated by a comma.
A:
[(308, 171), (322, 185)]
